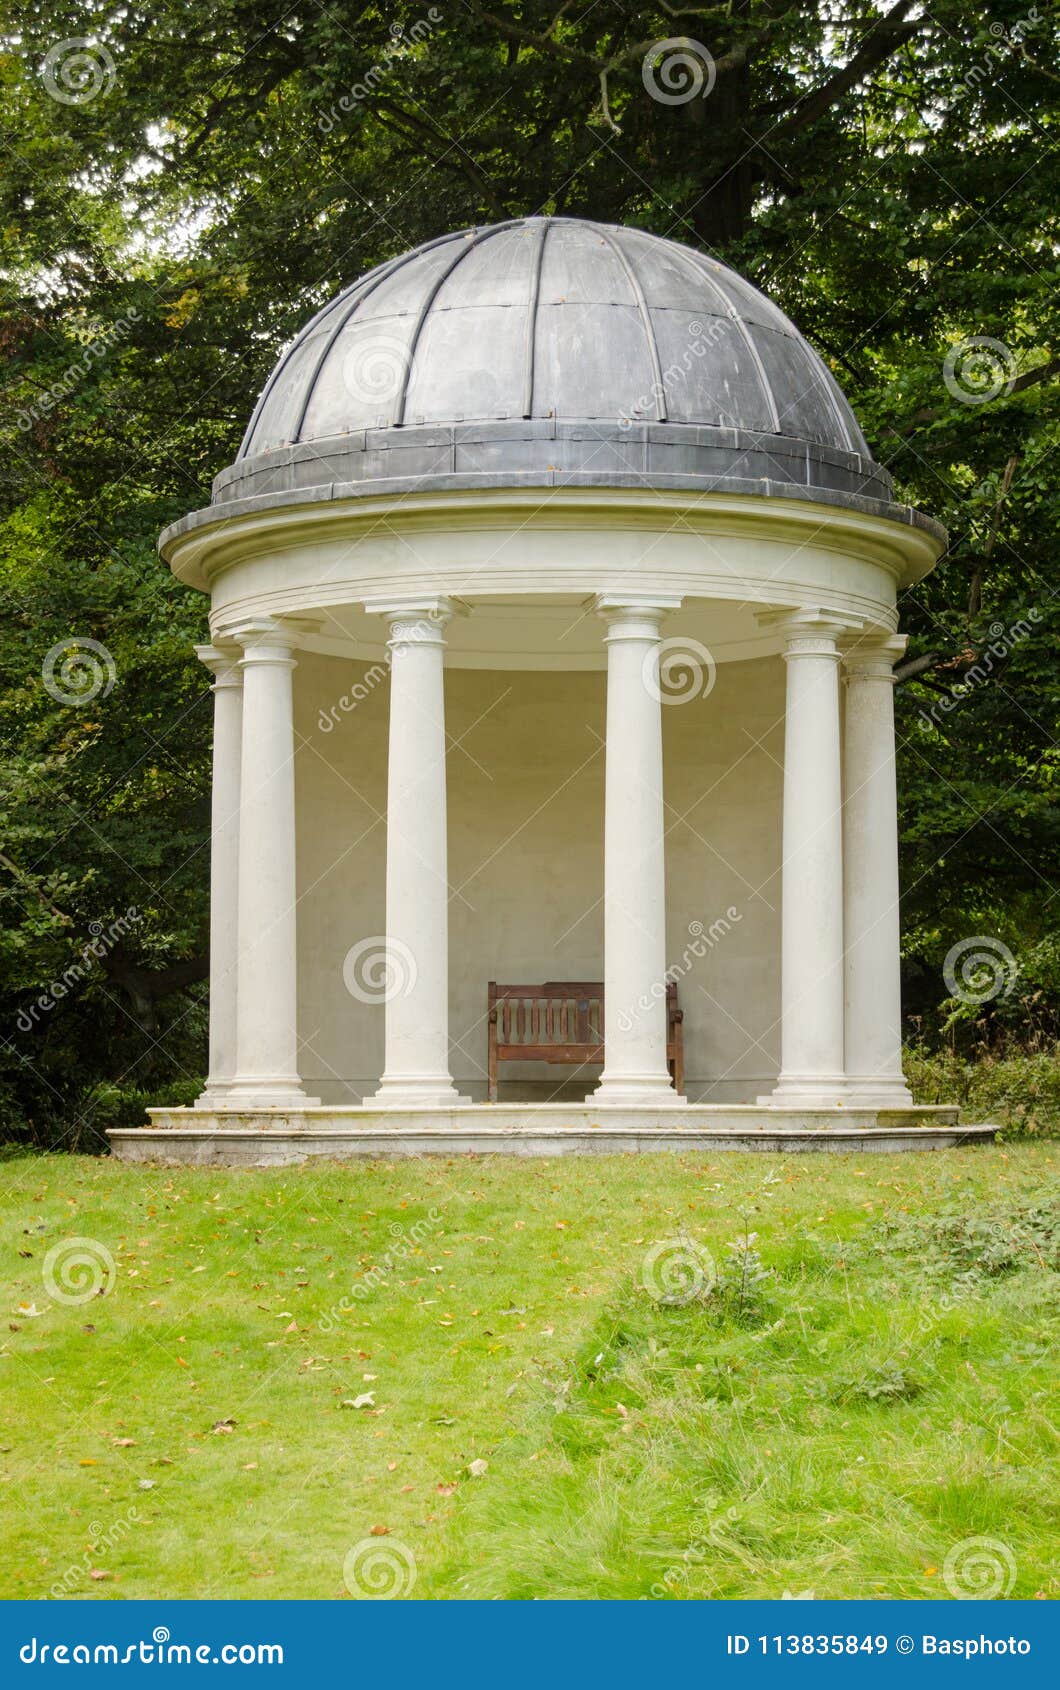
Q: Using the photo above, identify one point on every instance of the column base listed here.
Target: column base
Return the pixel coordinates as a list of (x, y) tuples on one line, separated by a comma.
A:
[(427, 1091), (265, 1094), (820, 1091), (632, 1090), (215, 1095), (878, 1093)]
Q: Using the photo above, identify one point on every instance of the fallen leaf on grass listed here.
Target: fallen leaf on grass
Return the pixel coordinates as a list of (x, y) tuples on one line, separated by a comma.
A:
[(98, 1573), (365, 1400), (380, 1531), (477, 1468)]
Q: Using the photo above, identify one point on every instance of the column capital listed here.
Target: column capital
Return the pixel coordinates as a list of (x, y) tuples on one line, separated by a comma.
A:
[(416, 618), (633, 616), (872, 657), (264, 639), (810, 630), (223, 663)]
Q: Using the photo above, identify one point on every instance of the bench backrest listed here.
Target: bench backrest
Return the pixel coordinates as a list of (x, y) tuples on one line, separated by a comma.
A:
[(556, 1012)]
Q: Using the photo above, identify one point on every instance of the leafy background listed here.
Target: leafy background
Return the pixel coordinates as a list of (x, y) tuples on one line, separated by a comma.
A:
[(883, 172)]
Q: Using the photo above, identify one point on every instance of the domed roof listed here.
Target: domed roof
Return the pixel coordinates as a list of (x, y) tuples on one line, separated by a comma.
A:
[(552, 351)]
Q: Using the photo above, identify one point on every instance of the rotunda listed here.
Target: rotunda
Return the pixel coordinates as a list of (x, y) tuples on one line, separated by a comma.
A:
[(553, 607)]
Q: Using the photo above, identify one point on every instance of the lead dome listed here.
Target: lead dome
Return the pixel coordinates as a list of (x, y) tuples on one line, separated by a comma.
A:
[(553, 351)]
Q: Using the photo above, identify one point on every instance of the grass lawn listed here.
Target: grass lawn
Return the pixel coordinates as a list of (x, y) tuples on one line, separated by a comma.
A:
[(462, 1371)]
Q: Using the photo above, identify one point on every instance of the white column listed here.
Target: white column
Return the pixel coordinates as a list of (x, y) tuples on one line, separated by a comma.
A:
[(870, 878), (811, 967), (416, 1069), (635, 1069), (266, 994), (224, 666)]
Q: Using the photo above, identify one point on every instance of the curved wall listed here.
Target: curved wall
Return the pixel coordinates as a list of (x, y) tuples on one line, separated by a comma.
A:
[(526, 772)]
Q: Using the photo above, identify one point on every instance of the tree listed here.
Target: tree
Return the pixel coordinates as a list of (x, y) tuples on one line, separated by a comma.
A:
[(189, 183)]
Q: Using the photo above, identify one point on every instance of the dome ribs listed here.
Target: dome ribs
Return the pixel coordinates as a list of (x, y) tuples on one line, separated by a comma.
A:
[(362, 287), (645, 316), (693, 257), (478, 352), (530, 341), (383, 275), (469, 243)]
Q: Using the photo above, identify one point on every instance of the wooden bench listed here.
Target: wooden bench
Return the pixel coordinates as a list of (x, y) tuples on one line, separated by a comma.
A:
[(563, 1021)]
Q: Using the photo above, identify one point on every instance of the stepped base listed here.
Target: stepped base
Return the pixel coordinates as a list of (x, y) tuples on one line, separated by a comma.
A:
[(266, 1137)]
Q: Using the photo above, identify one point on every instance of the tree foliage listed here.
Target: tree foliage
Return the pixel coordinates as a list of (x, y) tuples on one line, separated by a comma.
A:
[(184, 187)]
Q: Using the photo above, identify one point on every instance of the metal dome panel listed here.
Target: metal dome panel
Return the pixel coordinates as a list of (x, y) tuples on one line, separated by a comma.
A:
[(481, 353)]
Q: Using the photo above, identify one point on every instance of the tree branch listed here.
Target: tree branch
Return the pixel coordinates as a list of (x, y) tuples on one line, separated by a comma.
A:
[(467, 165), (918, 666), (146, 986), (883, 39)]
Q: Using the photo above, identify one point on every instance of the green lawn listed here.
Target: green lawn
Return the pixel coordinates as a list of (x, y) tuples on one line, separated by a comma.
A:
[(842, 1426)]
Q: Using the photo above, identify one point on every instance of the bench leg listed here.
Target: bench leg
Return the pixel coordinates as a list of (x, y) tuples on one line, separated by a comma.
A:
[(491, 1064)]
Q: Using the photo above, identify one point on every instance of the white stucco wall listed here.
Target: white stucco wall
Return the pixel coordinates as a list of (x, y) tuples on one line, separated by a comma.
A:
[(526, 793)]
